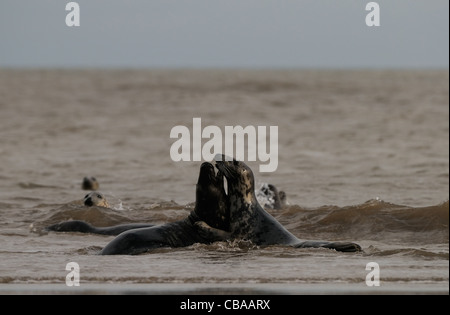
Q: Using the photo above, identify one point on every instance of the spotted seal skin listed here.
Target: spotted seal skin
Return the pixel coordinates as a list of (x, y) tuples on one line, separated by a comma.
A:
[(248, 220), (210, 209)]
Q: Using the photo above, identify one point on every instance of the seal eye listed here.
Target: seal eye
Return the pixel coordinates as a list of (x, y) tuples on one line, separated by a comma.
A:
[(86, 196), (99, 196)]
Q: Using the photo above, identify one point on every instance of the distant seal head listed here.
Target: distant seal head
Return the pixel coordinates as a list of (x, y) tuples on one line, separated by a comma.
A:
[(268, 196), (90, 183), (248, 220), (95, 199), (283, 199)]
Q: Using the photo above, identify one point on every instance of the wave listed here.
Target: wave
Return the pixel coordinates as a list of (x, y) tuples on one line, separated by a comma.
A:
[(35, 186), (407, 252), (374, 219), (155, 213)]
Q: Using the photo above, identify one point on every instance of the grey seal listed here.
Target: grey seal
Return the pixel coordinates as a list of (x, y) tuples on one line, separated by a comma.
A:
[(269, 197), (248, 220), (90, 183), (84, 227), (95, 198), (211, 209)]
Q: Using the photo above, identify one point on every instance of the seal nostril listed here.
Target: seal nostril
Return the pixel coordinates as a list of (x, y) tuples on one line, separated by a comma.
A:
[(88, 202)]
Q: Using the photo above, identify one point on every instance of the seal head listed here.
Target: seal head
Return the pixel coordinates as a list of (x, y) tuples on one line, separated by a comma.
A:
[(211, 204), (95, 199), (90, 183)]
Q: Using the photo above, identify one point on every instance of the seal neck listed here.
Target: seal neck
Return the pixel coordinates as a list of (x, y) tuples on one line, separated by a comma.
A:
[(193, 217)]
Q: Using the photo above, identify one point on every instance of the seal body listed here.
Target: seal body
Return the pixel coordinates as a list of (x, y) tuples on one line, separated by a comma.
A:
[(137, 241), (211, 201), (94, 199), (248, 220), (210, 207), (84, 227)]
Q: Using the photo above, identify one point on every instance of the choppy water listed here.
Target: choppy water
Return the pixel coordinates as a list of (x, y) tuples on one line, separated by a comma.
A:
[(363, 157)]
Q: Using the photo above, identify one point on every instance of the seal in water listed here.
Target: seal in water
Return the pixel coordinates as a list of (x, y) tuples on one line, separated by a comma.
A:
[(90, 183), (83, 227), (248, 220), (269, 197), (90, 200), (210, 209), (95, 199)]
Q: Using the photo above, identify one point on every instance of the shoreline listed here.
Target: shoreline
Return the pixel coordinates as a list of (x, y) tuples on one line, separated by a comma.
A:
[(227, 289)]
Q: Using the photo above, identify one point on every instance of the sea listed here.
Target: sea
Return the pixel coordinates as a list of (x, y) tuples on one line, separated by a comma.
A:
[(363, 156)]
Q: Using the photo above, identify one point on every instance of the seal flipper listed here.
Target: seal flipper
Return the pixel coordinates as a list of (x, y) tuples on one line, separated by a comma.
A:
[(210, 233), (83, 227), (71, 226), (338, 246)]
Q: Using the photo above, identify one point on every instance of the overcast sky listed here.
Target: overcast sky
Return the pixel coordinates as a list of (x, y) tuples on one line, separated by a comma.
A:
[(225, 33)]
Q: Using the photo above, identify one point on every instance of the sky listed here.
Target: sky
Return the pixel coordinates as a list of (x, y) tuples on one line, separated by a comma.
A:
[(224, 34)]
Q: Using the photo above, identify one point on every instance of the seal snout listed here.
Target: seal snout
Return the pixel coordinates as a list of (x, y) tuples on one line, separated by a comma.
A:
[(230, 170), (223, 158), (207, 173), (224, 168), (88, 202), (95, 199)]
